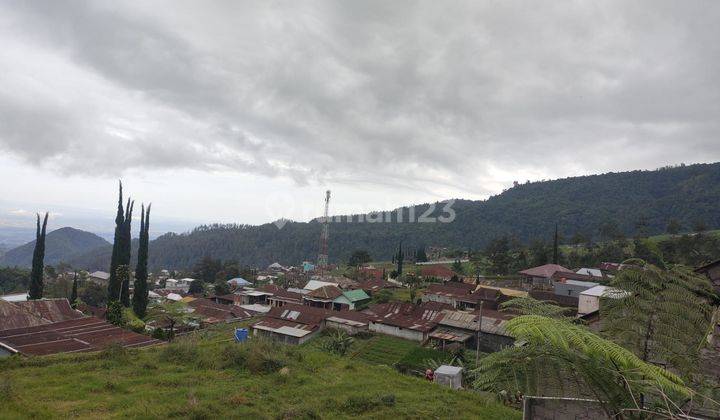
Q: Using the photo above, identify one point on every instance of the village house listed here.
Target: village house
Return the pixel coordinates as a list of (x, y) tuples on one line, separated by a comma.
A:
[(551, 297), (374, 285), (212, 313), (283, 297), (334, 298), (238, 283), (467, 328), (590, 300), (290, 324), (99, 277), (571, 284), (447, 293), (351, 322), (405, 320), (541, 277), (438, 272)]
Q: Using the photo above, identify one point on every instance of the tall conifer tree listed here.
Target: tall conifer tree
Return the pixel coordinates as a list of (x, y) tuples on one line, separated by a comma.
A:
[(114, 285), (140, 294), (126, 253), (400, 258), (38, 266), (73, 294), (556, 253)]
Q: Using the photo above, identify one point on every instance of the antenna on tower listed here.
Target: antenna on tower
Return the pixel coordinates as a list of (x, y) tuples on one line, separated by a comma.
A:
[(324, 235)]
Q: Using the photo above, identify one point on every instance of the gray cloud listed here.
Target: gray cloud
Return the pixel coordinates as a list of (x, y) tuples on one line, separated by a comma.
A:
[(424, 95)]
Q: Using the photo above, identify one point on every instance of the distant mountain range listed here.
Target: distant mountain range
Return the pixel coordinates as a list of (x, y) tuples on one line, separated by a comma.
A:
[(63, 244), (689, 194)]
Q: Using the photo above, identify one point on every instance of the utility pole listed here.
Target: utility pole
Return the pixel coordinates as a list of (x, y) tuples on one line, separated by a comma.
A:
[(477, 341)]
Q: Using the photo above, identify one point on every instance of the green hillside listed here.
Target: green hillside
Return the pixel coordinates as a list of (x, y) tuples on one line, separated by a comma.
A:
[(60, 245), (579, 205), (211, 377)]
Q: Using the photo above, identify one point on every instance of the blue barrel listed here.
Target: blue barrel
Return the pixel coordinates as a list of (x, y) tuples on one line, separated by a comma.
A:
[(241, 334)]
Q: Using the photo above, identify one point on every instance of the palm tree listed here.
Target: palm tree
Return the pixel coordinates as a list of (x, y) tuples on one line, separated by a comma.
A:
[(558, 357)]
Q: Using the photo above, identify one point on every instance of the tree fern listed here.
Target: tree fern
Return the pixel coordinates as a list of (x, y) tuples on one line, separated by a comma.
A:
[(664, 317), (530, 306), (556, 355)]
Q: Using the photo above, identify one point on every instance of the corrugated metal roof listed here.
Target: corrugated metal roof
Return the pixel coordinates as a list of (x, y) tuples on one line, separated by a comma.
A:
[(54, 310), (82, 334), (14, 316)]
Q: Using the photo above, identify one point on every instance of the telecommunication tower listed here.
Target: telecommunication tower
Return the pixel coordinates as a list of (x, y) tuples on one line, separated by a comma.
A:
[(324, 234)]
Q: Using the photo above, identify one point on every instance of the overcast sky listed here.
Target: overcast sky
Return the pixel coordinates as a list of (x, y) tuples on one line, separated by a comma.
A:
[(247, 111)]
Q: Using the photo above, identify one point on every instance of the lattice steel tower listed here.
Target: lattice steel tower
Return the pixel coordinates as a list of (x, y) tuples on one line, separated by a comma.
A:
[(324, 234)]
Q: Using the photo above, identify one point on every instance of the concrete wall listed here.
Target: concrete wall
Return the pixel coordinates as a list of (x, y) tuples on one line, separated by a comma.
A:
[(347, 328), (587, 304), (438, 298), (565, 289), (397, 332), (546, 408)]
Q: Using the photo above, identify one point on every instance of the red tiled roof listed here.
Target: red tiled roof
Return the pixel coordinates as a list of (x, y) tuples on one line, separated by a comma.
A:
[(544, 271), (81, 334)]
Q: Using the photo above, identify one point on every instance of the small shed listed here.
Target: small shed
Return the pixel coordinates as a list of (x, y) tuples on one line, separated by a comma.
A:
[(449, 376)]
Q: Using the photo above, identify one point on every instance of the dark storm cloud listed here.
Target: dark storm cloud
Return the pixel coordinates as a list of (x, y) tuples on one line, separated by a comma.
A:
[(419, 95)]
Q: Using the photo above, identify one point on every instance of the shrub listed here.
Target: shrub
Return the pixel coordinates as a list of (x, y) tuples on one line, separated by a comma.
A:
[(182, 351), (159, 333), (337, 342), (114, 351), (7, 388), (298, 413), (233, 356), (388, 400), (358, 404)]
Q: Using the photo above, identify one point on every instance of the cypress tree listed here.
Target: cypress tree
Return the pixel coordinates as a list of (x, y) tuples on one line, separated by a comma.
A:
[(556, 254), (36, 275), (400, 259), (140, 294), (113, 283), (125, 253), (73, 294)]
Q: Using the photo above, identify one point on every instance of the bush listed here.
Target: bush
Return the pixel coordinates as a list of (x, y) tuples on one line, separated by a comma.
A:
[(388, 400), (358, 404), (233, 356), (298, 413), (7, 388), (182, 351), (159, 333), (114, 351)]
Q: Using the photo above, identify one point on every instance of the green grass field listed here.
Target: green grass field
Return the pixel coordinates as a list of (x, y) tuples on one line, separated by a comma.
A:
[(206, 376)]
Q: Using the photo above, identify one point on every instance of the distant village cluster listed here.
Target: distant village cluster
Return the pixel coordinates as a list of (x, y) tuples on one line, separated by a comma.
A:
[(294, 304)]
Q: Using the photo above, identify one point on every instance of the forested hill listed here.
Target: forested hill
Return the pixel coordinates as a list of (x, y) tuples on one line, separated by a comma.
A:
[(62, 244), (617, 201)]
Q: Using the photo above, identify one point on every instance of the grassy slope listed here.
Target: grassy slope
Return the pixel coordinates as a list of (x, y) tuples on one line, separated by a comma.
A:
[(145, 384)]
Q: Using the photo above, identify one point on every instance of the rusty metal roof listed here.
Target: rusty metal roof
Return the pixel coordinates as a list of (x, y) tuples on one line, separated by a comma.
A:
[(81, 334), (14, 316), (54, 310)]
